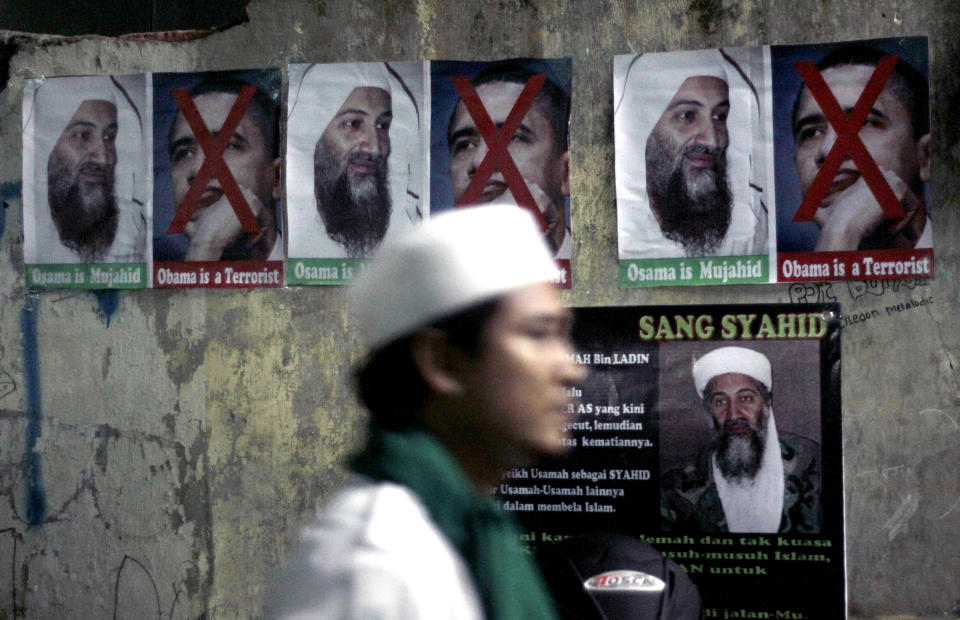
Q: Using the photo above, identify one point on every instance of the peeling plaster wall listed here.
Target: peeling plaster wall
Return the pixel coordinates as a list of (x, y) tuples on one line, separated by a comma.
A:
[(169, 449)]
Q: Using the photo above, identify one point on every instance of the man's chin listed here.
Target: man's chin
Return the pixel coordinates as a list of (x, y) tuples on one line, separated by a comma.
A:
[(701, 182)]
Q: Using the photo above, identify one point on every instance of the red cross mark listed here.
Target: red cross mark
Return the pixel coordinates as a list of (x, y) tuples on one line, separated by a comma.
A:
[(848, 140), (213, 163), (497, 141)]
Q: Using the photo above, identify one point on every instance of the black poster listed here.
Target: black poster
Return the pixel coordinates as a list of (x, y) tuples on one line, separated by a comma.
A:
[(672, 442)]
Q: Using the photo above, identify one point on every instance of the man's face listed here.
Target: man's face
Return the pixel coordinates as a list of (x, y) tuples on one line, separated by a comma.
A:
[(735, 400), (247, 155), (737, 406), (887, 133), (692, 132), (515, 386), (351, 170), (83, 160), (533, 147), (686, 166), (358, 137)]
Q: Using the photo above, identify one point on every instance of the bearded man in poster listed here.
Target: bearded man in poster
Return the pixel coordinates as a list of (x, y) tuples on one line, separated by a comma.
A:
[(750, 478), (76, 214), (682, 133)]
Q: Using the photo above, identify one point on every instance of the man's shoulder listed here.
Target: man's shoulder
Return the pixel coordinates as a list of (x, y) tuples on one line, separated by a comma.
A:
[(797, 448), (376, 515), (373, 544), (692, 478)]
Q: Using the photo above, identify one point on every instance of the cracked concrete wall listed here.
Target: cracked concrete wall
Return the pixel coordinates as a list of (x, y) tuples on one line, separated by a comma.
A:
[(180, 439)]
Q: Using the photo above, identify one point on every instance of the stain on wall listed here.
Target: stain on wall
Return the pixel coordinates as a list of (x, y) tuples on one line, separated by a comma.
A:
[(185, 436)]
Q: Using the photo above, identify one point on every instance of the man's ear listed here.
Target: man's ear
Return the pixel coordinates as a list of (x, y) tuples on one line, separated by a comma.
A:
[(923, 154), (438, 361), (565, 172), (277, 185)]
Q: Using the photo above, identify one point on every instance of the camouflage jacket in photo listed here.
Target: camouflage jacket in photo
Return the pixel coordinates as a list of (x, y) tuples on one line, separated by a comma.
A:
[(689, 499)]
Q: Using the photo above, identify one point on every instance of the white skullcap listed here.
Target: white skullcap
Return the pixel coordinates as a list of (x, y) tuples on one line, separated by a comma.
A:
[(454, 260), (732, 359)]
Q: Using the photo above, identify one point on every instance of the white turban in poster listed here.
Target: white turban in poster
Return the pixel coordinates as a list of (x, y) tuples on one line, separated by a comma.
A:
[(49, 107), (644, 86), (316, 94)]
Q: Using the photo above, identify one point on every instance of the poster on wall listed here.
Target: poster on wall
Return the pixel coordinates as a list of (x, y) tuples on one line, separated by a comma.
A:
[(217, 180), (712, 433), (851, 127), (354, 164), (499, 133), (86, 181), (688, 166), (774, 164)]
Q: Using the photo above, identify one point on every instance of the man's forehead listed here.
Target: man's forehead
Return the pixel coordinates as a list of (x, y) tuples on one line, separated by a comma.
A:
[(371, 99), (214, 108), (707, 90), (846, 84), (731, 382), (498, 100), (95, 110)]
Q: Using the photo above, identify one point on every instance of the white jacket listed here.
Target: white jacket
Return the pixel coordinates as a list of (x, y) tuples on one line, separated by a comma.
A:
[(374, 553)]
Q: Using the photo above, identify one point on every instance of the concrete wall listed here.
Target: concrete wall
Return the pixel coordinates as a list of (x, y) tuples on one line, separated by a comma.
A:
[(168, 447)]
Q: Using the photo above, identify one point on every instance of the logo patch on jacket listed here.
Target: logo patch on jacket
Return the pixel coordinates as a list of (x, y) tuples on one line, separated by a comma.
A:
[(624, 581)]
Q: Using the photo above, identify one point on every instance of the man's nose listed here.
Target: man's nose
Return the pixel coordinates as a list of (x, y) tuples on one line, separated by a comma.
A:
[(196, 162), (99, 151), (825, 145), (371, 141), (571, 373), (479, 154), (739, 411), (709, 133)]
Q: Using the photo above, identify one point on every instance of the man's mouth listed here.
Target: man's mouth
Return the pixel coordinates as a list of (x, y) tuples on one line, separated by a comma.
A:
[(209, 197), (92, 173), (700, 160), (362, 166), (363, 163), (738, 427), (492, 190), (843, 179)]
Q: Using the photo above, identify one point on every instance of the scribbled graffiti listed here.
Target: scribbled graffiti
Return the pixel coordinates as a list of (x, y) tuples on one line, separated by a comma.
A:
[(858, 292), (8, 384), (161, 586), (135, 593), (11, 599), (812, 293), (860, 289)]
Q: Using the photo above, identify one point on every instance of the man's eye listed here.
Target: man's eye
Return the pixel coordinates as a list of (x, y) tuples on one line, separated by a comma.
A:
[(719, 402), (383, 125), (746, 398), (808, 132), (180, 154), (461, 146), (686, 116), (721, 116)]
